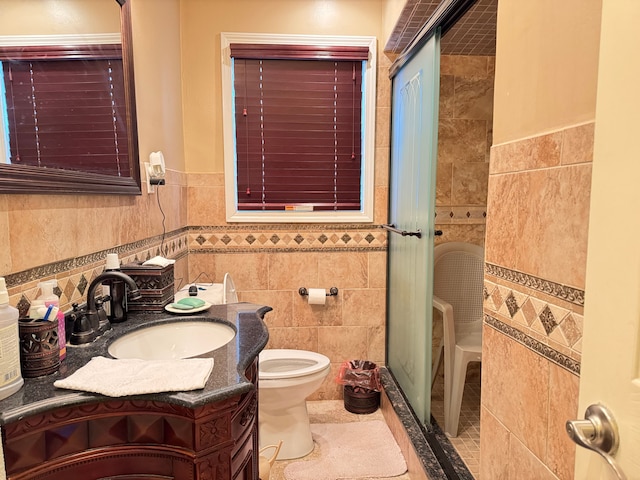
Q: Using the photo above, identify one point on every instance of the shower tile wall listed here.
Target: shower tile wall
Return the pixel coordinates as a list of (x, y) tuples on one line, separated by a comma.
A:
[(464, 138), (534, 300)]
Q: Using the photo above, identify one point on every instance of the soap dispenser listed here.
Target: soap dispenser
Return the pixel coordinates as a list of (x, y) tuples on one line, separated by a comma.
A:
[(10, 375), (117, 311)]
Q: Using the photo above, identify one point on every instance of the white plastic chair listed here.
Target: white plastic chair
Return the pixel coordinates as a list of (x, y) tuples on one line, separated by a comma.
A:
[(457, 293)]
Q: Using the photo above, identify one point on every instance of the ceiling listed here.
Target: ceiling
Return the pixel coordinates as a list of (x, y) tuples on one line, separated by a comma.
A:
[(473, 34)]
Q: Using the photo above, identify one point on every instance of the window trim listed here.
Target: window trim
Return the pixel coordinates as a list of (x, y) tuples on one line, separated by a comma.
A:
[(365, 215)]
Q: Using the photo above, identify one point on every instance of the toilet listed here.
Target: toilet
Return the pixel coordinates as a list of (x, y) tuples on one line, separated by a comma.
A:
[(285, 379)]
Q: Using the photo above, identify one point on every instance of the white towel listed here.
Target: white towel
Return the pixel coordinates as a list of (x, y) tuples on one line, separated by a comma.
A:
[(122, 377)]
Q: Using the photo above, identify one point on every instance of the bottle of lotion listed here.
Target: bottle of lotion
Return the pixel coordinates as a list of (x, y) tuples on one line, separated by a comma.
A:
[(10, 375)]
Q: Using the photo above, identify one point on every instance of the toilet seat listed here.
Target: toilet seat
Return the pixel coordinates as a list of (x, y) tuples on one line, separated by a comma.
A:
[(274, 364)]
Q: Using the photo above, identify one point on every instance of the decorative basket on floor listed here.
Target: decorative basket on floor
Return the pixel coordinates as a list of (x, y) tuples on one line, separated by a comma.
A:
[(361, 380)]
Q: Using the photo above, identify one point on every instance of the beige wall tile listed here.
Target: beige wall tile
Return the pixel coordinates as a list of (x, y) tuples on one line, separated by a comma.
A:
[(343, 343), (381, 205), (446, 96), (464, 65), (516, 389), (376, 344), (469, 183), (474, 98), (202, 267), (494, 445), (290, 271), (537, 152), (248, 270), (577, 144), (563, 405), (502, 220), (383, 126), (5, 253), (364, 307), (553, 223), (377, 269), (280, 301), (343, 270), (461, 233), (381, 167), (461, 140), (206, 205), (444, 178), (328, 314), (524, 465), (43, 229), (299, 338)]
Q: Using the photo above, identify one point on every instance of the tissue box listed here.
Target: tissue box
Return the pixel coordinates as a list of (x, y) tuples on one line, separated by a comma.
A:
[(156, 285)]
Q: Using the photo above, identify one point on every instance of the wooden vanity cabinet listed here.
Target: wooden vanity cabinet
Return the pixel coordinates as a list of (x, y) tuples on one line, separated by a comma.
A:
[(136, 440)]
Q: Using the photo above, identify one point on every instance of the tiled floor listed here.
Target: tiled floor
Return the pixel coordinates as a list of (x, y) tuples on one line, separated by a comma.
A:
[(467, 443), (329, 411)]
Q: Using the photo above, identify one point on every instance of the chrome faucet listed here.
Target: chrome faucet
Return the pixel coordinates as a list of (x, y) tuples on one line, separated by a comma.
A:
[(93, 322)]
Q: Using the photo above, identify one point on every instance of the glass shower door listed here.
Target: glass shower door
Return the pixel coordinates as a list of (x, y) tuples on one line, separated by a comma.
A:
[(412, 200)]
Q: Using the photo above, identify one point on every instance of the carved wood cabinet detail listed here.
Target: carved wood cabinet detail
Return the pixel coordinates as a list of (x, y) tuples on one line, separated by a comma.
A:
[(138, 440)]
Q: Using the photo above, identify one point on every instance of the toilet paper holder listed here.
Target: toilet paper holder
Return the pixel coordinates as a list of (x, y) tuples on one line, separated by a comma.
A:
[(333, 291)]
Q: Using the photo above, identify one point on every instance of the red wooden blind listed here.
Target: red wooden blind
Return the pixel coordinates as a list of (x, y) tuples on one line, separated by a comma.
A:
[(67, 114), (298, 127)]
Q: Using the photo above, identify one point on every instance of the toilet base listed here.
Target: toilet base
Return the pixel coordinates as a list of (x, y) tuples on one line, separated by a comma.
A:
[(291, 425)]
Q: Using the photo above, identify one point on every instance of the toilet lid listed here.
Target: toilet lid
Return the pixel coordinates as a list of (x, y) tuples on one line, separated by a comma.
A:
[(280, 363), (229, 290)]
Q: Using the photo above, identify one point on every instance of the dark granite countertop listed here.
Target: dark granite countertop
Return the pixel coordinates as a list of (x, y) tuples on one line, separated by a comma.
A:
[(227, 379)]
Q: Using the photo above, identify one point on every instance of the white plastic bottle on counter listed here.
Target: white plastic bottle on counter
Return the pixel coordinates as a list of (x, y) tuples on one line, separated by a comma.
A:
[(10, 375)]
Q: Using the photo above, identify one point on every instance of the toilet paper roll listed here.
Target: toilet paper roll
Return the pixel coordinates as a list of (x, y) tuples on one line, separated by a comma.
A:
[(317, 296)]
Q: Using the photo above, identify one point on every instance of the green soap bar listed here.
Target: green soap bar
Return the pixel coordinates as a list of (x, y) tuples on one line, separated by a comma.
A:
[(192, 302), (181, 306)]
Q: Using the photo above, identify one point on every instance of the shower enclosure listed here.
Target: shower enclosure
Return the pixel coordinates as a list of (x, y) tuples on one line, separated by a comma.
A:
[(411, 229)]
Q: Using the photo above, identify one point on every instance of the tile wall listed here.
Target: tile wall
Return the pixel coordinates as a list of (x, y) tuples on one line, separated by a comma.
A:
[(534, 300), (464, 139)]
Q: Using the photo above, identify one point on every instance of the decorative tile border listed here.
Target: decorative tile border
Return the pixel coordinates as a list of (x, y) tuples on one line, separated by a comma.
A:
[(287, 238), (449, 214), (75, 274), (558, 290), (531, 343), (559, 327)]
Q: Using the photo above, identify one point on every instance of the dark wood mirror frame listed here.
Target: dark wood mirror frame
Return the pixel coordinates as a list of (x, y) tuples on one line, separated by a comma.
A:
[(34, 180)]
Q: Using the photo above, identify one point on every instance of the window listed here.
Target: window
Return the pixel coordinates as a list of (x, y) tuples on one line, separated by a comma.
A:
[(65, 108), (299, 126)]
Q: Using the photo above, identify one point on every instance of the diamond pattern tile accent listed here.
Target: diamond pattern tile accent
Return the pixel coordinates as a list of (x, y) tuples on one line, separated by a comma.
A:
[(512, 304), (323, 238), (200, 239), (570, 330), (250, 239), (82, 284), (369, 238), (548, 320), (23, 306), (226, 239), (346, 238), (528, 311), (274, 239), (298, 239)]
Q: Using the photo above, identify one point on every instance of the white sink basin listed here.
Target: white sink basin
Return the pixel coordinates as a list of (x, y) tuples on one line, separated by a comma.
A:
[(171, 340)]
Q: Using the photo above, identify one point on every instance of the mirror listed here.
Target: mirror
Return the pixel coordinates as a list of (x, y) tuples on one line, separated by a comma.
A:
[(28, 179)]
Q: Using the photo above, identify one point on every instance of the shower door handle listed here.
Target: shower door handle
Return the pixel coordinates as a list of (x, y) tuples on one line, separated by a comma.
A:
[(598, 433), (392, 228)]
